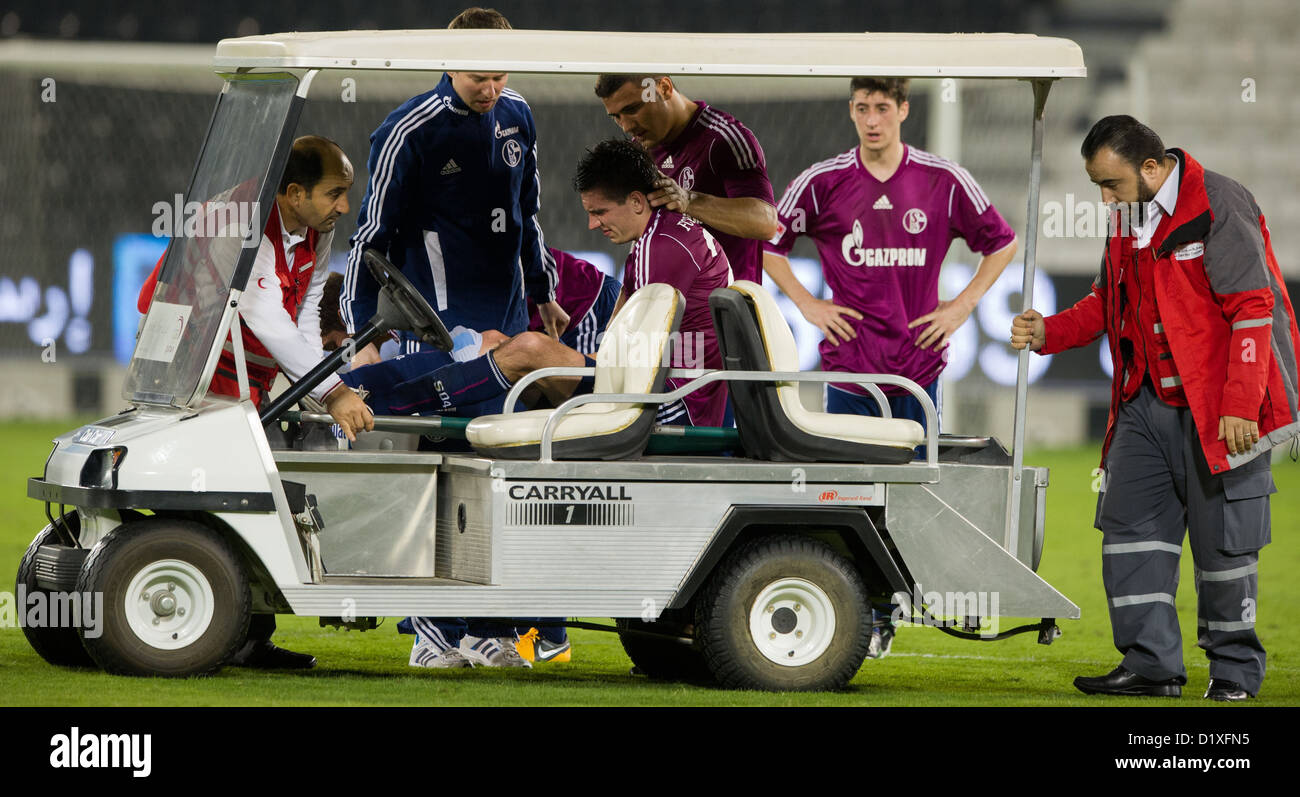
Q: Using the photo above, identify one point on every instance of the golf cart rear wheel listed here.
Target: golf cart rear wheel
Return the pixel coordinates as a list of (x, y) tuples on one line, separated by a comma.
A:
[(784, 613), (176, 599), (666, 659), (58, 644)]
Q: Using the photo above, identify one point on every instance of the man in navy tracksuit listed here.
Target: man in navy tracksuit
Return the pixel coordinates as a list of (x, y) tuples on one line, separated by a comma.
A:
[(452, 201)]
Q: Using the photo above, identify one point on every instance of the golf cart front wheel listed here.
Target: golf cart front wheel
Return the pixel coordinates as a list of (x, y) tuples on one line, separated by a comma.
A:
[(175, 596), (58, 643), (785, 613)]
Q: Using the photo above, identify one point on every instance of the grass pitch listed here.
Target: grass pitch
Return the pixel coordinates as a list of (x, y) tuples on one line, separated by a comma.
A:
[(927, 667)]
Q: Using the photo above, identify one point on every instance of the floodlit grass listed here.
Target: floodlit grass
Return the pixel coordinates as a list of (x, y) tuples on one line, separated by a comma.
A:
[(927, 667)]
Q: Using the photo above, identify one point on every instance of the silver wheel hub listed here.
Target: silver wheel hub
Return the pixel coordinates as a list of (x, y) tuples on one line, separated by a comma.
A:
[(169, 604), (792, 622)]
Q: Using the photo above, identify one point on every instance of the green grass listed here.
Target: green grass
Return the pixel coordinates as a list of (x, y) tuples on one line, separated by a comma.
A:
[(927, 668)]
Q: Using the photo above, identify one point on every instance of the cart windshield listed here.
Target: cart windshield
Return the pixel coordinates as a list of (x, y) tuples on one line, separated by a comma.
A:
[(214, 237)]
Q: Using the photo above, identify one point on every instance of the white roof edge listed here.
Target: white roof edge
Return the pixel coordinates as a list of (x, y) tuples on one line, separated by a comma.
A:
[(58, 53), (919, 55)]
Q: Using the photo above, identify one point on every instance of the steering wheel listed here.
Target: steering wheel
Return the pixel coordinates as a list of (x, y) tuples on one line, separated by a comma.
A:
[(401, 306)]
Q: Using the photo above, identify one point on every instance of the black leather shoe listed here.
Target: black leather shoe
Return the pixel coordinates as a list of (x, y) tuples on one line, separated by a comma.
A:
[(1122, 682), (1225, 691), (263, 655)]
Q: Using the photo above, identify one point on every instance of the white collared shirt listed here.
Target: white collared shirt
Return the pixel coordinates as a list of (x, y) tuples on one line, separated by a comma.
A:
[(290, 240), (1156, 210), (296, 346)]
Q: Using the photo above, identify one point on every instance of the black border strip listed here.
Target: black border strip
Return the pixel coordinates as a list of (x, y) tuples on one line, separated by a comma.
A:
[(99, 498)]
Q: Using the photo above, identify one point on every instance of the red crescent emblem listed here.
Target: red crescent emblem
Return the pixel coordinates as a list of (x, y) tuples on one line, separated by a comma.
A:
[(259, 283)]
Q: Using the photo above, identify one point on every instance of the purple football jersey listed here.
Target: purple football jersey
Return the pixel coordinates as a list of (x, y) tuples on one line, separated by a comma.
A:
[(577, 287), (679, 251), (881, 245), (719, 156)]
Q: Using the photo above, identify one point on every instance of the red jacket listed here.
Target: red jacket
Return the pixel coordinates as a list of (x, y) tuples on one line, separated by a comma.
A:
[(1225, 310), (294, 282)]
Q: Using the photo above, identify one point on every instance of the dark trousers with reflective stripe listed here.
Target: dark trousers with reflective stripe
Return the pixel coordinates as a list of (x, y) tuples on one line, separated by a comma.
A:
[(1157, 485)]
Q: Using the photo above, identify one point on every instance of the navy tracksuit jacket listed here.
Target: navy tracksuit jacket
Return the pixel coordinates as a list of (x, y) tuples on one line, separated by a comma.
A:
[(452, 201)]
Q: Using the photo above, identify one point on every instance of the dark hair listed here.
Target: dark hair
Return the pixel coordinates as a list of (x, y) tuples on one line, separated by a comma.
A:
[(1126, 137), (330, 321), (307, 162), (606, 85), (895, 87), (476, 18), (616, 167)]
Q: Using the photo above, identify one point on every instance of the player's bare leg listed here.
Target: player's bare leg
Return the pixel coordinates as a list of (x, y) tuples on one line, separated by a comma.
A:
[(531, 351), (492, 338)]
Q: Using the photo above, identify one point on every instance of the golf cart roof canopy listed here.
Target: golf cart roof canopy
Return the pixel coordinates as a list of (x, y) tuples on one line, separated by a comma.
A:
[(918, 55)]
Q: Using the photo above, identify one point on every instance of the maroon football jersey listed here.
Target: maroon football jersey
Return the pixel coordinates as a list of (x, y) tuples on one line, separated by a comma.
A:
[(679, 251), (719, 156)]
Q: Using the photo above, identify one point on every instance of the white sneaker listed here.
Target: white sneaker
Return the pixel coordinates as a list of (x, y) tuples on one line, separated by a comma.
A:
[(426, 654), (882, 640), (492, 651)]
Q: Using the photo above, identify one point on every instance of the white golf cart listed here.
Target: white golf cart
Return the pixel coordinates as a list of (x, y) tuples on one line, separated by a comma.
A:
[(757, 568)]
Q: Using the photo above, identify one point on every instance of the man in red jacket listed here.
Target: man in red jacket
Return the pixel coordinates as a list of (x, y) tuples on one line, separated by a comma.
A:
[(281, 315), (1204, 342), (280, 308)]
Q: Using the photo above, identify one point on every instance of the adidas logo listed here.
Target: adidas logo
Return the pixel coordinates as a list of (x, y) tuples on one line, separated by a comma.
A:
[(668, 163), (883, 204), (449, 167)]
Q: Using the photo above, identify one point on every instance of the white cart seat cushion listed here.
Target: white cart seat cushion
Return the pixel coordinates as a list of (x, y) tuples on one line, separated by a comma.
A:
[(783, 355), (630, 357), (525, 428)]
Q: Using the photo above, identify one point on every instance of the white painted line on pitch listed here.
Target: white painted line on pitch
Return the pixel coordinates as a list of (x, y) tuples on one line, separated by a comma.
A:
[(994, 658), (1092, 662)]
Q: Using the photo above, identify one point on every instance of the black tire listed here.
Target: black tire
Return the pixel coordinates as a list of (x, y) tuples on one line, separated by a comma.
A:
[(664, 659), (784, 565), (60, 646), (200, 556)]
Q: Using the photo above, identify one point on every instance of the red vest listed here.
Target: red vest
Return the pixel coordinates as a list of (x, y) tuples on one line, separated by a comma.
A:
[(294, 279), (1141, 332)]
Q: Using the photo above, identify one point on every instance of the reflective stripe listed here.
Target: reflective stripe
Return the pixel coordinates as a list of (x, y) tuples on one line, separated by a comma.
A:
[(1171, 381), (1134, 600), (1235, 625), (1138, 547), (256, 359), (437, 268), (1254, 322), (1227, 575), (1159, 329)]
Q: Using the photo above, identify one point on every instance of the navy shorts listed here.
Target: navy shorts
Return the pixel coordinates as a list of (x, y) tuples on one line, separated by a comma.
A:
[(843, 402)]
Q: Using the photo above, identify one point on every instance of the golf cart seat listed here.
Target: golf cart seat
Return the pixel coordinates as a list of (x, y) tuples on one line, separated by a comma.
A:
[(630, 360), (772, 421)]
